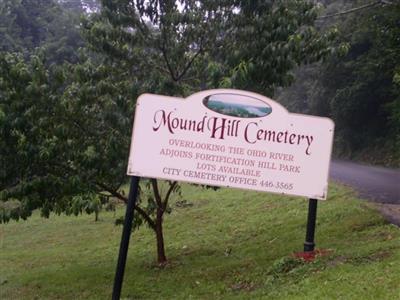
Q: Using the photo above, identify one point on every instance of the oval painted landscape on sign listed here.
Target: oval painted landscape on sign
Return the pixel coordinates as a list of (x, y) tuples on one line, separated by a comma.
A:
[(236, 105)]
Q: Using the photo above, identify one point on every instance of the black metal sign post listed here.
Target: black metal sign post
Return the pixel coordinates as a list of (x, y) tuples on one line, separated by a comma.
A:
[(309, 244), (126, 234)]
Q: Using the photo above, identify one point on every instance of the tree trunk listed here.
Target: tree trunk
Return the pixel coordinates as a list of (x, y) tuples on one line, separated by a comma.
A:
[(161, 258)]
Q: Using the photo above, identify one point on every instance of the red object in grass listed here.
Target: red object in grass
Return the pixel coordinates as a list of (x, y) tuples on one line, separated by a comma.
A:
[(309, 256)]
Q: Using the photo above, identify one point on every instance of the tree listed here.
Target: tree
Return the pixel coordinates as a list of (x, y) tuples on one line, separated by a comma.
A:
[(177, 47), (166, 47), (25, 93), (267, 40), (358, 89), (64, 131), (365, 97), (26, 25), (158, 43)]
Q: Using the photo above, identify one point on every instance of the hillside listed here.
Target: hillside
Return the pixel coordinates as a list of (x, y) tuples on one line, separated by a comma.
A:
[(227, 244)]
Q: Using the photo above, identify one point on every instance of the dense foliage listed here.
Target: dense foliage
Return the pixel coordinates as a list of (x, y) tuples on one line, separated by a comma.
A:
[(266, 41), (64, 131), (359, 90), (26, 25), (364, 98)]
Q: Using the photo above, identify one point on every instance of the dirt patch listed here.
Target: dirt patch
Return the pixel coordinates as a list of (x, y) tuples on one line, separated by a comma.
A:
[(359, 260), (243, 286), (357, 227), (390, 212), (183, 204)]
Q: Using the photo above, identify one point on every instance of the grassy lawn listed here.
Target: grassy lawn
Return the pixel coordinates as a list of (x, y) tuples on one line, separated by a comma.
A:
[(228, 244)]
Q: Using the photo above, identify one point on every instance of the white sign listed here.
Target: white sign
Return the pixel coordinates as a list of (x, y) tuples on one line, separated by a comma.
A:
[(231, 138)]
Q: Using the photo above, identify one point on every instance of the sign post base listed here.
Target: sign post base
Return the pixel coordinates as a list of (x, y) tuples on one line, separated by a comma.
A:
[(309, 244)]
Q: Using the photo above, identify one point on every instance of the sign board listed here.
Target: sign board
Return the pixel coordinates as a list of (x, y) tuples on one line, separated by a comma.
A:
[(231, 138)]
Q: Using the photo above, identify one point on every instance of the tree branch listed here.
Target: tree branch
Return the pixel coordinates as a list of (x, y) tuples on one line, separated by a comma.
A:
[(112, 192), (164, 54), (192, 60), (156, 192), (123, 198), (168, 194), (354, 9), (189, 65), (158, 67)]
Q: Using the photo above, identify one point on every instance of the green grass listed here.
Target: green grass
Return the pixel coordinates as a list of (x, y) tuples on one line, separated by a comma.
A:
[(230, 244)]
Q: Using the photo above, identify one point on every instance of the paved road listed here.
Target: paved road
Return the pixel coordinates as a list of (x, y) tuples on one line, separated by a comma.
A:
[(375, 183)]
